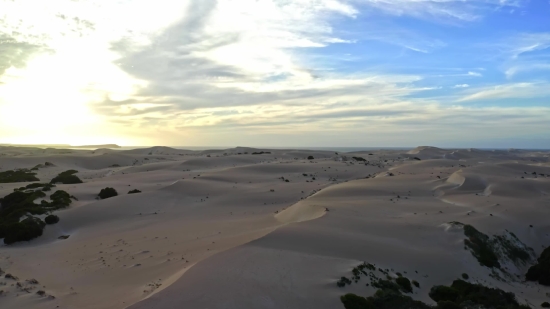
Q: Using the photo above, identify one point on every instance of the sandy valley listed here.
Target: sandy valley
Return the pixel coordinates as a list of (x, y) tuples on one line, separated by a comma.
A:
[(272, 228)]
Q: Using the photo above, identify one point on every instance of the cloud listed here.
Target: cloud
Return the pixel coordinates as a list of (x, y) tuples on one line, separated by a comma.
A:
[(508, 91), (14, 53), (516, 46), (526, 67), (447, 11), (213, 71)]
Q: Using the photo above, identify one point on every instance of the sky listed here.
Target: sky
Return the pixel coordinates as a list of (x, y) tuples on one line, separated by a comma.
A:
[(297, 73)]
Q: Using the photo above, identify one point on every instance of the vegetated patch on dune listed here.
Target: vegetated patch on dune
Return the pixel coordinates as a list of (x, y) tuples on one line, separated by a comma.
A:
[(107, 193), (22, 175), (393, 287), (540, 272), (497, 251), (67, 177), (45, 187), (20, 204)]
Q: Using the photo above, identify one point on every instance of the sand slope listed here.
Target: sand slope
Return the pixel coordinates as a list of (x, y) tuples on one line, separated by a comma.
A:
[(269, 231)]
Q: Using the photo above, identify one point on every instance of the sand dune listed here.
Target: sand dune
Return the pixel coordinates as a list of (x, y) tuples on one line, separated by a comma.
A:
[(274, 230)]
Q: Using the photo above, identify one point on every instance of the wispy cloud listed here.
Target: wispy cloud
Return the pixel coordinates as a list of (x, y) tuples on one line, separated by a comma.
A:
[(442, 11), (508, 91), (461, 86), (526, 67)]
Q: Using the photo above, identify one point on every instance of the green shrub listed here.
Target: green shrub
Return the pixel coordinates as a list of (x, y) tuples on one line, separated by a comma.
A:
[(310, 158), (443, 293), (445, 304), (17, 176), (540, 272), (25, 230), (386, 285), (36, 185), (343, 281), (388, 299), (405, 284), (461, 291), (352, 301), (19, 203), (481, 247), (415, 283), (465, 276), (67, 177), (545, 305), (134, 191), (51, 219), (107, 193)]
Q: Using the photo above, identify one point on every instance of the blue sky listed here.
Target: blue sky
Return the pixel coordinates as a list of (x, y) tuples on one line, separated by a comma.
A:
[(469, 73)]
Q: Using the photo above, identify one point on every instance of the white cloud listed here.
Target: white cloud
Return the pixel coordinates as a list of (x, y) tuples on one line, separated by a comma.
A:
[(526, 67), (443, 11), (461, 86), (476, 74), (508, 91), (524, 43)]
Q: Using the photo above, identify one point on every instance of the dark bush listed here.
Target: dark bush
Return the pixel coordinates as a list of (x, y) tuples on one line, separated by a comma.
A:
[(67, 177), (415, 283), (540, 272), (25, 230), (19, 203), (343, 281), (17, 176), (461, 291), (481, 247), (465, 276), (352, 301), (443, 293), (444, 304), (51, 219), (134, 191), (386, 285), (310, 158), (107, 193), (545, 305), (405, 284), (388, 299)]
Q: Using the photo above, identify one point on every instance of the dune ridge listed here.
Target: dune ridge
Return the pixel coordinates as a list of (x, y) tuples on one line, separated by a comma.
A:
[(278, 212)]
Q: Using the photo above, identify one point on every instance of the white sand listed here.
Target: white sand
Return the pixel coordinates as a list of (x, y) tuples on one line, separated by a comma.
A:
[(251, 247)]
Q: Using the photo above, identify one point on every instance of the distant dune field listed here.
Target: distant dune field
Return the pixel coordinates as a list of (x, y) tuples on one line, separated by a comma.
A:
[(270, 228)]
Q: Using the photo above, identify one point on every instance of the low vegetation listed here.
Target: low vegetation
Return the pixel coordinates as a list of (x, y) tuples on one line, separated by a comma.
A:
[(107, 193), (67, 177), (465, 294), (19, 204), (540, 272), (25, 230), (390, 293), (480, 247), (460, 295), (45, 187), (134, 191), (51, 219), (22, 175), (493, 251), (405, 284)]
